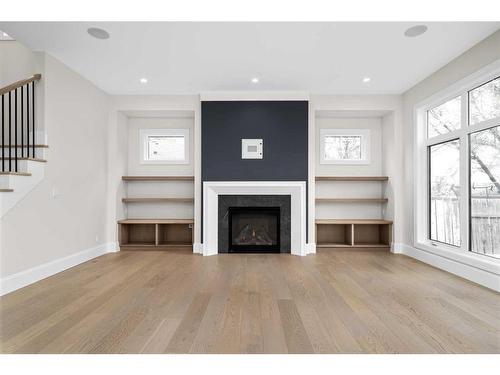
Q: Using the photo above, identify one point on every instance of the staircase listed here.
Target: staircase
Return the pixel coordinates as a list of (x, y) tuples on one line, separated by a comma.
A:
[(22, 147)]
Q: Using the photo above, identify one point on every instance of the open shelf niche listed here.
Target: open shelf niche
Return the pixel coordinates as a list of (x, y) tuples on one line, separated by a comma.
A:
[(155, 233), (369, 233), (159, 233)]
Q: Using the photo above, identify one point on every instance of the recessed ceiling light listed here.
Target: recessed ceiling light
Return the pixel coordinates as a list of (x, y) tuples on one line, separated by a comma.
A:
[(366, 79), (143, 80), (415, 31), (255, 80), (98, 33)]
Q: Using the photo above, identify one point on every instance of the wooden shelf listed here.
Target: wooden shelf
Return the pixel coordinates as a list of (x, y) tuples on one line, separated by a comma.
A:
[(352, 178), (24, 146), (351, 200), (16, 173), (157, 200), (156, 221), (158, 178), (6, 190), (353, 221)]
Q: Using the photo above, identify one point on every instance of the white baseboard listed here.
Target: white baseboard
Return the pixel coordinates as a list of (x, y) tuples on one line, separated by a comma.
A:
[(21, 279), (198, 248), (480, 276), (310, 248)]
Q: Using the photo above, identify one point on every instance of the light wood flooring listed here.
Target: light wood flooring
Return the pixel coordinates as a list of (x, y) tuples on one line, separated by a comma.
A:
[(338, 301)]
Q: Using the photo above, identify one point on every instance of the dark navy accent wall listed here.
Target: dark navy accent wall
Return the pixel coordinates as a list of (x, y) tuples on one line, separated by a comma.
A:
[(283, 126)]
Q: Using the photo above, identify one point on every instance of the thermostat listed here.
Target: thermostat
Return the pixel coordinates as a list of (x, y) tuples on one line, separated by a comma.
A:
[(251, 149)]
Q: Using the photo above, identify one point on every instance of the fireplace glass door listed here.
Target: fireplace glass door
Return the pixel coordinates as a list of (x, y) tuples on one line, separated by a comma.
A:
[(254, 229)]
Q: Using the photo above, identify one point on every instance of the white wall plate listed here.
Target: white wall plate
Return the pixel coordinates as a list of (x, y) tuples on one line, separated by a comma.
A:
[(252, 149)]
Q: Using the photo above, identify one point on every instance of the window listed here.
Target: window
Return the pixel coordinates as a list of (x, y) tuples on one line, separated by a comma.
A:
[(444, 183), (457, 181), (345, 146), (164, 146), (484, 102), (444, 118), (485, 191)]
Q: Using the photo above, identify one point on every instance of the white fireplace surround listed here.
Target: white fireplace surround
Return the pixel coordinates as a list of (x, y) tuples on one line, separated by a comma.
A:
[(295, 189)]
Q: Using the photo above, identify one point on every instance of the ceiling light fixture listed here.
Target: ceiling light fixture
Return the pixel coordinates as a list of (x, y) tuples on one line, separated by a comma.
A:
[(98, 33), (415, 31), (143, 80), (255, 80), (366, 79)]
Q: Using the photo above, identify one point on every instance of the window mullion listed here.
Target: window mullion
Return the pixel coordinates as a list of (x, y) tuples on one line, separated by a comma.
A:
[(464, 174)]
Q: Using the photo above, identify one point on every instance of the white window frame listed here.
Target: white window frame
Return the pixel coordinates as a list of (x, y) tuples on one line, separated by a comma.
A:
[(421, 171), (144, 135), (365, 145)]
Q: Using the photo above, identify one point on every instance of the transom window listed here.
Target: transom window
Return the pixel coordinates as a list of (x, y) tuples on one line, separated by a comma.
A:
[(462, 165), (344, 146), (164, 146)]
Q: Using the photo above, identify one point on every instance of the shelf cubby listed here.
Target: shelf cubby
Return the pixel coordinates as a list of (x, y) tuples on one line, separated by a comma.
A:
[(354, 233), (175, 235), (137, 234), (154, 234)]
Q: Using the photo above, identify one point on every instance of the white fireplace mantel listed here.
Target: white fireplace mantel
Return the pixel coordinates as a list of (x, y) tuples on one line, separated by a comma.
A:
[(296, 190)]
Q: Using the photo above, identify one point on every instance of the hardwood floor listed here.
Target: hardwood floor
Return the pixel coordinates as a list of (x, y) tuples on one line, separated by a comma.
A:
[(338, 301)]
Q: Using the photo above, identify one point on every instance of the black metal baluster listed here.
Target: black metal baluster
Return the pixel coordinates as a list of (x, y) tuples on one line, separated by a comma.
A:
[(33, 106), (15, 129), (22, 122), (3, 137), (28, 121), (10, 131)]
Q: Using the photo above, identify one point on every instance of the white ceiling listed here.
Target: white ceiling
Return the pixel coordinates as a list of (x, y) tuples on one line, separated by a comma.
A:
[(182, 58)]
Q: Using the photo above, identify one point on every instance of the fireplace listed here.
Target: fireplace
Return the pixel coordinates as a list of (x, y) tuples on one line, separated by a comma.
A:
[(254, 229)]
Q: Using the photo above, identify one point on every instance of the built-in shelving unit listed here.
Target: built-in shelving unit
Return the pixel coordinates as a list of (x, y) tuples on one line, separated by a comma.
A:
[(353, 233), (151, 234), (155, 233)]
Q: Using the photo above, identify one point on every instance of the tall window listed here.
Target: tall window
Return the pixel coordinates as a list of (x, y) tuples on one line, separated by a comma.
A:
[(463, 170), (445, 192)]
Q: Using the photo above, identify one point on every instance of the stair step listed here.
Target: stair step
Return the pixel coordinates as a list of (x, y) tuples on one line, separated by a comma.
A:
[(16, 173), (6, 190), (33, 159), (24, 146)]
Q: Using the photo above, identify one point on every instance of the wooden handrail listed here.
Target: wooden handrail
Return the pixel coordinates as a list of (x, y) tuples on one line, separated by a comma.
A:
[(20, 83)]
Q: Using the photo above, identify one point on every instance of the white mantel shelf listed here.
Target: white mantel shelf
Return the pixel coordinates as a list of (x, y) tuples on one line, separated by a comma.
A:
[(295, 189)]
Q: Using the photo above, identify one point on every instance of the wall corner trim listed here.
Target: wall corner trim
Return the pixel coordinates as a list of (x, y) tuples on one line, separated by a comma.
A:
[(466, 271), (24, 278)]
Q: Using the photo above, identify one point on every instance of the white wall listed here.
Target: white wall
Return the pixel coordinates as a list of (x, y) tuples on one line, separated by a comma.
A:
[(374, 168), (44, 227), (329, 189), (181, 189), (135, 124), (17, 62)]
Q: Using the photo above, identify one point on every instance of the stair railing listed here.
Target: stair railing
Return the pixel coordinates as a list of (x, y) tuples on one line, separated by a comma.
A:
[(18, 119)]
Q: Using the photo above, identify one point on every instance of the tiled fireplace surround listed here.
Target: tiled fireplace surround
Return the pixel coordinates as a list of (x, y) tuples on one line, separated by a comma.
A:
[(218, 195)]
